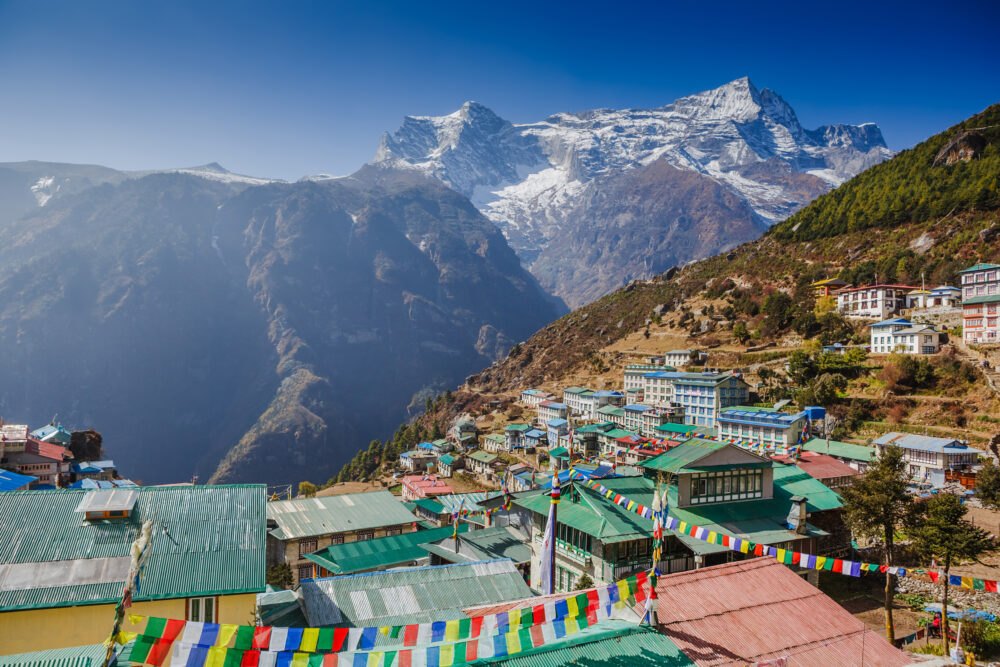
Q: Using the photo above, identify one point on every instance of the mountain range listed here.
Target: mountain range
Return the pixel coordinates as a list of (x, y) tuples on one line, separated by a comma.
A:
[(577, 187)]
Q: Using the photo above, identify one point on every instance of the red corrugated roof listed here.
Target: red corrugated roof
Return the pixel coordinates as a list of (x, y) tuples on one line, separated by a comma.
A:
[(759, 609), (820, 466), (49, 450)]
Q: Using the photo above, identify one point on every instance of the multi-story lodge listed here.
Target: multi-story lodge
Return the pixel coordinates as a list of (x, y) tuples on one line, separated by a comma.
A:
[(924, 454), (549, 410), (980, 298), (633, 376), (532, 397), (828, 287), (761, 425), (902, 335), (702, 395), (874, 301)]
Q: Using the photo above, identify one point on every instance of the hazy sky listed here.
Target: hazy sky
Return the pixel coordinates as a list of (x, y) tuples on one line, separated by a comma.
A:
[(284, 89)]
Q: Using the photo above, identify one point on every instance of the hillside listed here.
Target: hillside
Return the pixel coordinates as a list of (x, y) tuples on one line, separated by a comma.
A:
[(251, 332), (700, 304)]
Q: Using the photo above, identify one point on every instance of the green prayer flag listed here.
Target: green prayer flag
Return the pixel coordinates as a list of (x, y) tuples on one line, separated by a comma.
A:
[(324, 642), (828, 565), (978, 585), (142, 646), (788, 557), (395, 631), (524, 638), (527, 620), (155, 627), (244, 636), (465, 628), (234, 658), (389, 657), (633, 585), (582, 603), (316, 660)]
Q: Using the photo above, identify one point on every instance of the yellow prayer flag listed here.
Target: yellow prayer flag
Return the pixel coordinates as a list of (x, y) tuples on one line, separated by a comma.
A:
[(682, 527), (216, 657), (966, 582), (226, 633), (514, 617), (451, 630), (820, 562), (623, 592), (744, 546), (125, 637), (135, 619), (571, 608), (711, 536), (781, 555), (309, 638), (384, 630), (571, 626), (446, 658), (374, 659), (300, 659), (513, 643)]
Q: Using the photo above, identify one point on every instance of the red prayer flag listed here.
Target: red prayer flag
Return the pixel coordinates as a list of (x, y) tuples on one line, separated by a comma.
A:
[(838, 565), (758, 550), (405, 658), (261, 637), (470, 651), (990, 586), (796, 557), (339, 637), (477, 626), (883, 568), (538, 614), (172, 629), (933, 576), (536, 636), (409, 636), (330, 660), (641, 578), (593, 599), (159, 652), (250, 659)]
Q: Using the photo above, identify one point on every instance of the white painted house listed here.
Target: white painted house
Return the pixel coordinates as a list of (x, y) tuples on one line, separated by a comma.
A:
[(874, 301), (904, 336)]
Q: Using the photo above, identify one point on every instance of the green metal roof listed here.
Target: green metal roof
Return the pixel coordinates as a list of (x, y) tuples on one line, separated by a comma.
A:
[(592, 514), (518, 427), (616, 433), (496, 437), (683, 455), (411, 595), (683, 429), (483, 457), (612, 410), (214, 545), (478, 545), (845, 450), (576, 390), (980, 267), (430, 505), (611, 642), (441, 442), (990, 298), (446, 459), (75, 656), (559, 453), (352, 557), (308, 517)]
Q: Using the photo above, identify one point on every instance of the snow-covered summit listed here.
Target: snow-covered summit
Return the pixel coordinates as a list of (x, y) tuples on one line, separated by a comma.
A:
[(523, 176)]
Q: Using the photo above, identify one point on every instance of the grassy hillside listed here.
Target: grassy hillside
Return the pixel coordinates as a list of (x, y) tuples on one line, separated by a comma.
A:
[(763, 287), (907, 188)]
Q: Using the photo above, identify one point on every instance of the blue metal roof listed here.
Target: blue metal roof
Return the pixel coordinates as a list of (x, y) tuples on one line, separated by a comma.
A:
[(535, 433), (637, 407), (555, 405), (11, 481), (760, 418), (923, 443), (559, 421), (898, 321), (606, 392)]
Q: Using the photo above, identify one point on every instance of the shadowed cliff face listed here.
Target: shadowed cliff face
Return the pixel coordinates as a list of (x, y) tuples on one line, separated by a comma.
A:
[(260, 333)]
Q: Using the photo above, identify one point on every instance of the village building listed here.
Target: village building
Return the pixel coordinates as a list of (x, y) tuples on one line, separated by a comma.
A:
[(579, 400), (826, 469), (634, 373), (449, 464), (858, 457), (415, 487), (484, 465), (678, 358), (410, 595), (66, 554), (878, 302), (702, 395), (902, 336), (302, 526), (495, 442), (607, 440), (655, 417), (465, 434), (980, 299), (613, 414), (549, 410), (556, 429), (699, 610), (633, 416), (943, 296), (925, 454), (514, 436), (492, 543), (764, 426), (532, 397), (417, 460), (822, 288), (104, 471), (382, 553), (535, 438), (12, 481), (52, 433), (50, 462)]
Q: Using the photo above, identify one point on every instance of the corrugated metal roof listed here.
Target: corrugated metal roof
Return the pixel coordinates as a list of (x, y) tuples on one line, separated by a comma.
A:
[(411, 595), (381, 552), (612, 642), (844, 450), (486, 544), (924, 443), (10, 481), (758, 609), (483, 456), (821, 466), (684, 455), (215, 543), (585, 510), (307, 517), (75, 656)]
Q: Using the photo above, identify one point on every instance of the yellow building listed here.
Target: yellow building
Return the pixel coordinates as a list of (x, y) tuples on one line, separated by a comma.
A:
[(63, 566)]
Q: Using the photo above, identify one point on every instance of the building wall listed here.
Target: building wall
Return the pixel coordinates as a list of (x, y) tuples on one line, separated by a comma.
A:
[(63, 627), (289, 549)]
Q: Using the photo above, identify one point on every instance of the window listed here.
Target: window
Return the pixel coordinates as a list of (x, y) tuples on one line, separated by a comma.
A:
[(306, 547), (202, 610), (393, 531), (365, 535), (736, 484), (337, 539), (305, 572)]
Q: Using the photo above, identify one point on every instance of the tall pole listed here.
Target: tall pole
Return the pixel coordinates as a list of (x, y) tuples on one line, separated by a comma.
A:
[(547, 561), (139, 554)]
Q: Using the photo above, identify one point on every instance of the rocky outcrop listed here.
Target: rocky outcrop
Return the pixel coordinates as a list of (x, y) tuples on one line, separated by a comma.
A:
[(964, 146)]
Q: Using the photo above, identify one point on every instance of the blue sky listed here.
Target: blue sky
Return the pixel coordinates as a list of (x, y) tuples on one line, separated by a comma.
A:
[(284, 89)]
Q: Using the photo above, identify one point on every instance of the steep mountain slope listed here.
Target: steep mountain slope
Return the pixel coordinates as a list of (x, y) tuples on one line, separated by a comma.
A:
[(527, 178), (737, 283), (272, 328), (26, 186)]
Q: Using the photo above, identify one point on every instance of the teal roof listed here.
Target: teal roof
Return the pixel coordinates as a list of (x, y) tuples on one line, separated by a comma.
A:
[(559, 453), (446, 459), (612, 642), (684, 457), (76, 656), (683, 429), (214, 545), (483, 457), (496, 437), (844, 450), (430, 505), (589, 512), (379, 553), (991, 298), (610, 410), (518, 427), (618, 433), (326, 515), (477, 545), (468, 501), (411, 595), (980, 267)]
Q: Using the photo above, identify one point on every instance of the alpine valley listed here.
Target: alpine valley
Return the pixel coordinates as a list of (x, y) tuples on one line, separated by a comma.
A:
[(240, 328)]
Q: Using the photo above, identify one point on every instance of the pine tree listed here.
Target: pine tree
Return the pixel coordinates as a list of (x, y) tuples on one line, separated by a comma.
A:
[(988, 485), (944, 534), (874, 507)]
